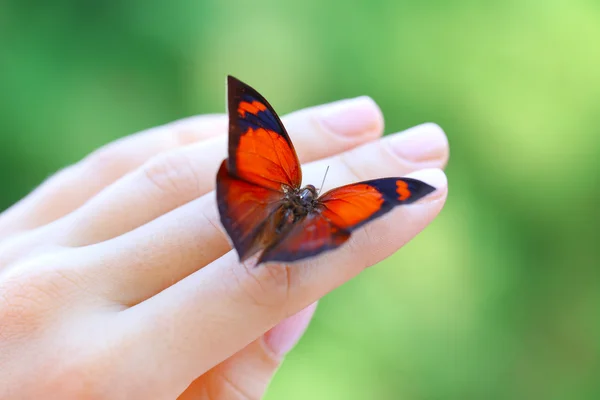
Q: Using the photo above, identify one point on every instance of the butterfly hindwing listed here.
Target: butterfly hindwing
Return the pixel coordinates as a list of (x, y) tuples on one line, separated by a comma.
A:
[(249, 213), (260, 150), (310, 236)]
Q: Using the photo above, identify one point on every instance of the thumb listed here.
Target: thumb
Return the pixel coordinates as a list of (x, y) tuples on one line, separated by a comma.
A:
[(247, 374)]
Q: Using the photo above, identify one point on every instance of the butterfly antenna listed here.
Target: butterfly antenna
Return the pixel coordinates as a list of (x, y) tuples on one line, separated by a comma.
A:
[(322, 183)]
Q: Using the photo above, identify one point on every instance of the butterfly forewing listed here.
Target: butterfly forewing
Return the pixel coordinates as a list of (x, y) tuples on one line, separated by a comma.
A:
[(260, 150), (354, 205)]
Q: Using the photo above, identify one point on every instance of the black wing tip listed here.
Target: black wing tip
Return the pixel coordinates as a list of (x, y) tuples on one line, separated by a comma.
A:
[(416, 189), (232, 79), (419, 188), (236, 86)]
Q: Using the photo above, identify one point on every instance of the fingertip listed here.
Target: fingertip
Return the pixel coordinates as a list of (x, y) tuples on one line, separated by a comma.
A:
[(425, 145), (353, 117), (434, 177)]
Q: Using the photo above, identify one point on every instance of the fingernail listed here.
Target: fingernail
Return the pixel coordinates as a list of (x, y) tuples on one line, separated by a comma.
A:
[(283, 337), (422, 143), (353, 116), (434, 177)]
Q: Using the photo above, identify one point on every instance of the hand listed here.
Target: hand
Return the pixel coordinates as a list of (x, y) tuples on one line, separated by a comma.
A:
[(118, 282)]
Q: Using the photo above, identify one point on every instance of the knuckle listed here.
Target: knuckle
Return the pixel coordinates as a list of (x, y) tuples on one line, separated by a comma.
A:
[(266, 286), (32, 292), (24, 306), (173, 173), (17, 316)]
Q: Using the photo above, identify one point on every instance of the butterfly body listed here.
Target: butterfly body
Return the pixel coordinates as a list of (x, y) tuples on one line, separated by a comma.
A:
[(300, 202), (261, 202)]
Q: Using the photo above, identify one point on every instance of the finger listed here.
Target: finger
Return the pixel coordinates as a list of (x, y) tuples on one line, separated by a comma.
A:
[(73, 186), (177, 244), (247, 374), (239, 301), (182, 175)]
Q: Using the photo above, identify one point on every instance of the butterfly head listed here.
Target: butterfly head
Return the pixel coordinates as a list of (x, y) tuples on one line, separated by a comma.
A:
[(308, 195)]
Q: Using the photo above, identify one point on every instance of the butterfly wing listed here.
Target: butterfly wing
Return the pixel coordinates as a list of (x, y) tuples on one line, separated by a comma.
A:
[(308, 237), (249, 213), (261, 165), (352, 206), (341, 211), (260, 150)]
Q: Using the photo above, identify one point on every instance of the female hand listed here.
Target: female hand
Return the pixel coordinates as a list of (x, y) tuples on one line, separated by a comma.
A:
[(118, 282)]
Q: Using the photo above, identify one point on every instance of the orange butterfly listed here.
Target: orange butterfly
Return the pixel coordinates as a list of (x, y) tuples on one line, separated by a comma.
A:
[(262, 205)]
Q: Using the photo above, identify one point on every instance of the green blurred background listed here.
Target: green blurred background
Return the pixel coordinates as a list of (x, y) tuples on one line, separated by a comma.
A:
[(500, 297)]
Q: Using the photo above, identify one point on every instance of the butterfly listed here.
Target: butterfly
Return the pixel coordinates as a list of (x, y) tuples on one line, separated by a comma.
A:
[(261, 203)]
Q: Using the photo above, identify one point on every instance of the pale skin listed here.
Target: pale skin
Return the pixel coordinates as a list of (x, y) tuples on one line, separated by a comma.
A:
[(117, 280)]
